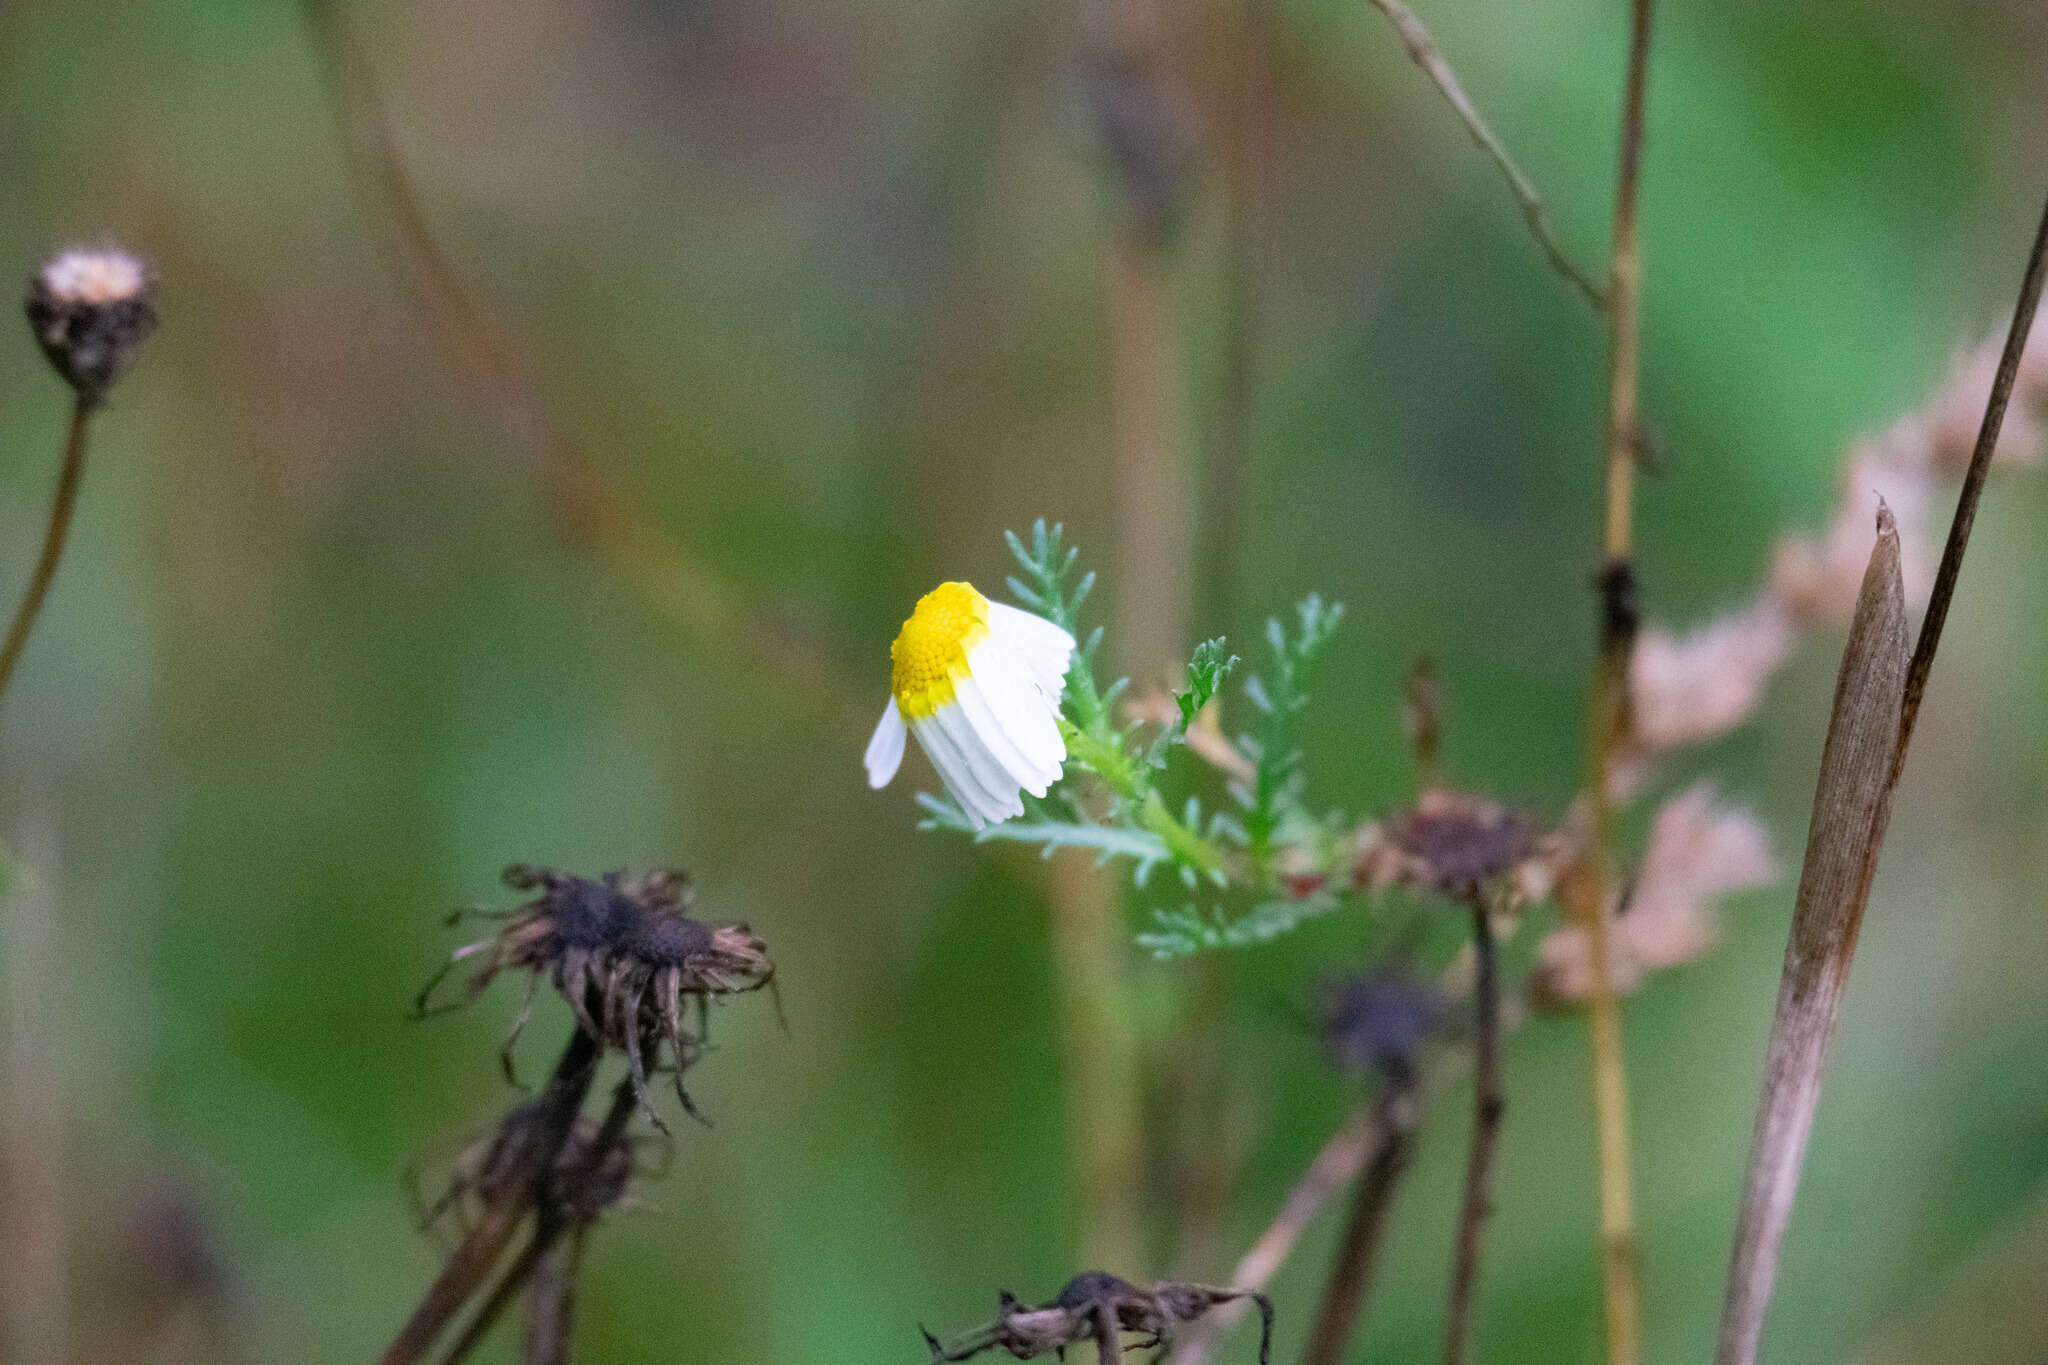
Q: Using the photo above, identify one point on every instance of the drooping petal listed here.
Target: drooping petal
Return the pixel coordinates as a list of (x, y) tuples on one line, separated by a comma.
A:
[(988, 772), (982, 806), (885, 750), (1045, 648), (993, 729), (1027, 715)]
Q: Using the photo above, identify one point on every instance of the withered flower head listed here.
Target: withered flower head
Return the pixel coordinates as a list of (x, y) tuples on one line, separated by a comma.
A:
[(89, 309), (624, 953), (1459, 845), (1377, 1024), (1099, 1307)]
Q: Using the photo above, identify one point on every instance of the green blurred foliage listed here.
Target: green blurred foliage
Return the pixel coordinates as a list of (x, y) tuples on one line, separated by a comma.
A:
[(821, 286)]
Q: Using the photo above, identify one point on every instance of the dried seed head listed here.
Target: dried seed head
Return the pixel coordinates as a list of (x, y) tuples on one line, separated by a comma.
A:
[(1100, 1307), (625, 954), (1455, 844), (89, 309), (174, 1239)]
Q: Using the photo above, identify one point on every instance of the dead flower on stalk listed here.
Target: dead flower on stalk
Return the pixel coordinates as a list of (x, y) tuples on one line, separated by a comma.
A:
[(90, 309), (1457, 845), (1097, 1306), (624, 953)]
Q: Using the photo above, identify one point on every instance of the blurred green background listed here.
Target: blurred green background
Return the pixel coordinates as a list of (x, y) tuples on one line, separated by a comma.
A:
[(821, 288)]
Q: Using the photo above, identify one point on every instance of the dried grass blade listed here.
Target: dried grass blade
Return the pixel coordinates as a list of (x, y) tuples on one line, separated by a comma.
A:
[(1851, 807)]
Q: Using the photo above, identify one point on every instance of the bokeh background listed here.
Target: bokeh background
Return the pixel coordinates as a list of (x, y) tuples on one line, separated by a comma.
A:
[(825, 291)]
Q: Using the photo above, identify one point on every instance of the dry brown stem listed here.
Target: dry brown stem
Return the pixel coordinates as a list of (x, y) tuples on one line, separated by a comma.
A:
[(1386, 1158), (1618, 622), (553, 1218), (1489, 1104), (471, 1261), (69, 477)]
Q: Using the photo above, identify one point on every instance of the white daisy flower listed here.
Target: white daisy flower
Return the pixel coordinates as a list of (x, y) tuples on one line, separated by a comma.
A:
[(979, 684)]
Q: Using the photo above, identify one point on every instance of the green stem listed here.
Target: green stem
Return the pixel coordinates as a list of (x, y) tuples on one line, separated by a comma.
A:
[(1130, 781)]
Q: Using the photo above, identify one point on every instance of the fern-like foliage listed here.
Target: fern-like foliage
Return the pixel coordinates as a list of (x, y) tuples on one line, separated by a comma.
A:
[(1051, 831), (1188, 930), (1271, 801)]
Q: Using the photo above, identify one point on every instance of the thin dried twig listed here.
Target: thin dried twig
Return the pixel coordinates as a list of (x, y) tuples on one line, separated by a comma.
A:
[(551, 1304), (1850, 807), (1422, 49), (1619, 618), (1334, 1167), (665, 573), (1393, 1140), (1972, 492), (1339, 1162), (1877, 703)]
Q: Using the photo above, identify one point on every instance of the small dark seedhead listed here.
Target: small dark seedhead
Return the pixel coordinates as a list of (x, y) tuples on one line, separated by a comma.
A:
[(89, 310), (1376, 1025), (1090, 1287), (1146, 132), (625, 955)]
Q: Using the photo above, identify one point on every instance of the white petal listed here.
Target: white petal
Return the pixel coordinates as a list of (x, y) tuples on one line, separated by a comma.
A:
[(993, 729), (885, 750), (1026, 715), (988, 774), (1045, 648), (958, 770)]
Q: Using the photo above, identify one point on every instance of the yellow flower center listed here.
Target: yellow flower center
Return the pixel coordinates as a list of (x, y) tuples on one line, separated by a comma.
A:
[(930, 652)]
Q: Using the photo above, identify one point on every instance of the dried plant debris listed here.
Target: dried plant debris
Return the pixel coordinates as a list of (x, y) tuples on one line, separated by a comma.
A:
[(1692, 687), (583, 1185), (1098, 1307), (1851, 807), (1700, 851), (625, 954)]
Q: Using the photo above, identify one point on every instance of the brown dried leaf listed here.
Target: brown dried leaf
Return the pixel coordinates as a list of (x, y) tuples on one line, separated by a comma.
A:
[(1698, 853), (1691, 688), (1851, 806)]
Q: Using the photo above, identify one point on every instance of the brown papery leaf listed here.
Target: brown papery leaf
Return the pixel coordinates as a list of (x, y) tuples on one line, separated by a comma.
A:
[(1850, 808)]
